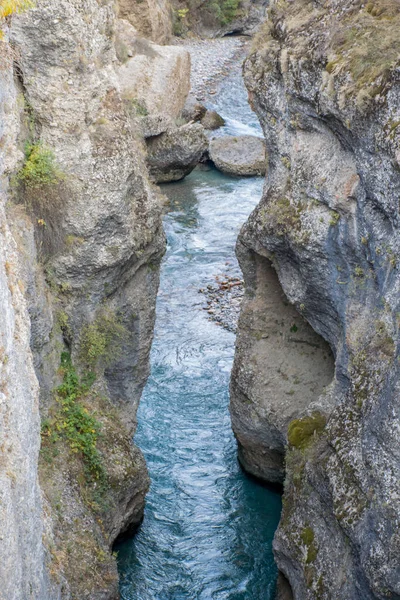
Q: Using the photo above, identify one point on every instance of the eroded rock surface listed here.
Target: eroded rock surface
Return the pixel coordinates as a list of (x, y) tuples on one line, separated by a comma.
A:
[(153, 79), (22, 555), (151, 18), (281, 368), (324, 81)]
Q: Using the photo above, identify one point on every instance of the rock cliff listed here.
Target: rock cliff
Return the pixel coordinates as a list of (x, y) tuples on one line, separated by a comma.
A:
[(82, 240), (22, 559), (316, 375)]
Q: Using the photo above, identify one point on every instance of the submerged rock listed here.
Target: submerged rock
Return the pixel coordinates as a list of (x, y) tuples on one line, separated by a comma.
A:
[(243, 155), (175, 153)]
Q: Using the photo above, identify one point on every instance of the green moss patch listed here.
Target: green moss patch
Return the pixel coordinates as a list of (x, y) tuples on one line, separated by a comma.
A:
[(301, 431), (282, 216), (307, 537)]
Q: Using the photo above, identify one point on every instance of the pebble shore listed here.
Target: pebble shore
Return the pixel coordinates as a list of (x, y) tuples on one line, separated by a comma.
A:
[(211, 62)]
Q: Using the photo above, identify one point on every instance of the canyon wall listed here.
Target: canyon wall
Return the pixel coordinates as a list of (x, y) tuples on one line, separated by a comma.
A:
[(159, 20), (81, 245), (22, 556), (316, 377)]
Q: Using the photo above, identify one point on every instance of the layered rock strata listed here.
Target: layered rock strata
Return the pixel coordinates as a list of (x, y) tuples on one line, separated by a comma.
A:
[(320, 258)]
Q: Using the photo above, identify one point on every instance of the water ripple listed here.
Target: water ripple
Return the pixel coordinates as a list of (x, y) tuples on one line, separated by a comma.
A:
[(208, 529)]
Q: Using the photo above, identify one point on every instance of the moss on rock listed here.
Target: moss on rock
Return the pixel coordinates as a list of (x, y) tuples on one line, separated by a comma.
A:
[(302, 431)]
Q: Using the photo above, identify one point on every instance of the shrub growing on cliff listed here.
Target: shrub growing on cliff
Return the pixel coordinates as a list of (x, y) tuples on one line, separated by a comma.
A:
[(179, 22), (40, 186), (74, 422), (102, 340), (40, 168)]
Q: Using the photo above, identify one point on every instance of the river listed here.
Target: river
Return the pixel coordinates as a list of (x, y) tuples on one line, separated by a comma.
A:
[(208, 529)]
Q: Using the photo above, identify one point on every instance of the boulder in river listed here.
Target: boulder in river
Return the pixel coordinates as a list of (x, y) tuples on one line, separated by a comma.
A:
[(242, 155), (193, 110), (175, 153), (212, 120)]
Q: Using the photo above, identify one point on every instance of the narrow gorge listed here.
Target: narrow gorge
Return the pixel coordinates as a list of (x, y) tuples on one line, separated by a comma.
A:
[(248, 456)]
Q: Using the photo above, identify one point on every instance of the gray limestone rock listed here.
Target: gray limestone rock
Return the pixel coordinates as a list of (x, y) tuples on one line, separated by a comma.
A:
[(281, 368), (151, 18), (328, 225), (153, 79), (90, 243), (212, 120), (23, 572), (152, 125), (174, 154), (243, 155)]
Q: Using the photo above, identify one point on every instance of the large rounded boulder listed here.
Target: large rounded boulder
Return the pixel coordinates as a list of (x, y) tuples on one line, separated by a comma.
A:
[(174, 154), (242, 155)]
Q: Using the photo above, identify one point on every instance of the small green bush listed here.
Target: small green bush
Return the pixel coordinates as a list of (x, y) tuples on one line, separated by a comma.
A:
[(74, 422), (40, 168), (179, 24), (102, 340), (301, 431)]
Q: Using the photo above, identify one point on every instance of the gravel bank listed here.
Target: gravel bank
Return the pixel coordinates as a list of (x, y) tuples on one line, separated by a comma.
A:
[(211, 61), (223, 300)]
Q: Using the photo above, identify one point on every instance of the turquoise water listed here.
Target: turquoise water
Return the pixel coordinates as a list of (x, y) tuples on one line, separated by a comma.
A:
[(208, 529)]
